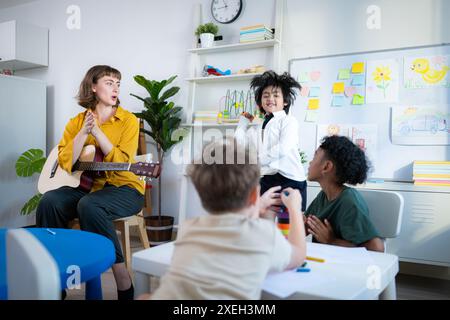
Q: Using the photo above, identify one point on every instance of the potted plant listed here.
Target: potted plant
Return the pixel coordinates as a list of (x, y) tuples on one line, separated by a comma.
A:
[(30, 162), (163, 119), (206, 32)]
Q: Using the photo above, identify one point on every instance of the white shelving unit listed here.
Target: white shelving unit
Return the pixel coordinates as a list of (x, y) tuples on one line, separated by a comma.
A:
[(201, 88)]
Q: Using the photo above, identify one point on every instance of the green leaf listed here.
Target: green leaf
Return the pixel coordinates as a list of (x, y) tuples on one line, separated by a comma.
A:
[(170, 80), (31, 205), (31, 161), (169, 93)]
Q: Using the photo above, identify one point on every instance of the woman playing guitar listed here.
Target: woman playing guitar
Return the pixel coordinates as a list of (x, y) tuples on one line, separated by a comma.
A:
[(115, 194)]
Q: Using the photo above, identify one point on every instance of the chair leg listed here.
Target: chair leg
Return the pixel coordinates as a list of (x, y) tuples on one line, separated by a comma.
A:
[(143, 233), (124, 229)]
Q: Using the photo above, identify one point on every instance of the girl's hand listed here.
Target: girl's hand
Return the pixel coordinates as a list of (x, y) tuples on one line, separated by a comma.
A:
[(248, 116), (323, 232), (88, 123), (292, 200)]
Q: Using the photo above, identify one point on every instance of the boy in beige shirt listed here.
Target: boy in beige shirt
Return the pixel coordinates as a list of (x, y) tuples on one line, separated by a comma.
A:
[(228, 253)]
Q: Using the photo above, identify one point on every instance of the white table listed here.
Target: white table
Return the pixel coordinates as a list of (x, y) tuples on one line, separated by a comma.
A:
[(337, 279)]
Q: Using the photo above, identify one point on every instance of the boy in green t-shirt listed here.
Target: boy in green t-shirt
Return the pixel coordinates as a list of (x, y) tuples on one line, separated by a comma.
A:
[(339, 215)]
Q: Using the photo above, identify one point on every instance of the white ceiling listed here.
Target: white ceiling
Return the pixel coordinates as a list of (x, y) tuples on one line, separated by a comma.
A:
[(11, 3)]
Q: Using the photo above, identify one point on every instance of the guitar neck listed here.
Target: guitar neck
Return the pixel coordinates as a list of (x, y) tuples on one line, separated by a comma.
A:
[(101, 166)]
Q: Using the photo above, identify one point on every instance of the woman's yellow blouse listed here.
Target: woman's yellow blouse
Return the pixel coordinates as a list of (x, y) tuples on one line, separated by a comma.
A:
[(122, 131)]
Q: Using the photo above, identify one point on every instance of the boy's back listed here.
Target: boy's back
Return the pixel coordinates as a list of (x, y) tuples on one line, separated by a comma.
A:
[(223, 256)]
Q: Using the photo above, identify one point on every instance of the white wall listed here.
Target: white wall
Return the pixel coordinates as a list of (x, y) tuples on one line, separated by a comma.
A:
[(151, 37)]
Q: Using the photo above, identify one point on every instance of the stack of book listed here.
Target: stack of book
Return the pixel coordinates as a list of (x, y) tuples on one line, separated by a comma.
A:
[(257, 32), (431, 173), (207, 116)]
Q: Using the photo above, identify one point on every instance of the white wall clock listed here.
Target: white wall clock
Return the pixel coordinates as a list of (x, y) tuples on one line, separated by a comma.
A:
[(226, 11)]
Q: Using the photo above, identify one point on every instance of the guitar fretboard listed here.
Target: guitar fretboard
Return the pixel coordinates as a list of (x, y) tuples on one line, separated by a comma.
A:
[(101, 166)]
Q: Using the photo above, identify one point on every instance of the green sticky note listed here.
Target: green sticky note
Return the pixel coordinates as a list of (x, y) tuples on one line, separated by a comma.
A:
[(303, 77), (311, 116), (344, 74), (358, 99)]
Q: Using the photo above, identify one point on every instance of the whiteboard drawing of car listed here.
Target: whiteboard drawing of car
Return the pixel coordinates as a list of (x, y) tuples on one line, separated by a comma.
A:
[(429, 123)]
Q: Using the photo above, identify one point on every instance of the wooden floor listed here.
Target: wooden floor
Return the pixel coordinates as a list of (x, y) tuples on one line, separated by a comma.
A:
[(409, 287)]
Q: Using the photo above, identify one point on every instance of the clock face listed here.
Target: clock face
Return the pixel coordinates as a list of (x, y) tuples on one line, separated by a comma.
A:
[(226, 11)]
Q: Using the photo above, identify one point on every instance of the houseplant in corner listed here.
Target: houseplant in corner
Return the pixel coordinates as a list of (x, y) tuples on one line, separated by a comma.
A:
[(29, 163), (206, 32), (163, 119)]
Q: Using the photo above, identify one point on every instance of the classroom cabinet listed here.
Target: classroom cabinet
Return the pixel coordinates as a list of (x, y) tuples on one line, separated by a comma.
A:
[(23, 46)]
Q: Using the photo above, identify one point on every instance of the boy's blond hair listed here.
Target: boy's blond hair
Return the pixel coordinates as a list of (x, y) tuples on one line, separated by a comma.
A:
[(223, 181)]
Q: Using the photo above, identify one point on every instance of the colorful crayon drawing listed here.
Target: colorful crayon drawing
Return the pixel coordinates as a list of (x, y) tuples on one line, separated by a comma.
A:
[(423, 72), (421, 125), (382, 81)]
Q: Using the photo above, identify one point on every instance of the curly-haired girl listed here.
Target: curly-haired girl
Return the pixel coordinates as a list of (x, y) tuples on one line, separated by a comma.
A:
[(277, 140), (339, 215)]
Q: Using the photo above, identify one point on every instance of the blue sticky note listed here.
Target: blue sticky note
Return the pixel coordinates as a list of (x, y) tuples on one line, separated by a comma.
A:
[(338, 101), (314, 91), (358, 80)]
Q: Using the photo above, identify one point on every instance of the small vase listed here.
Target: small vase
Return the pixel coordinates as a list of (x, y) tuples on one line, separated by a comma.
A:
[(207, 40)]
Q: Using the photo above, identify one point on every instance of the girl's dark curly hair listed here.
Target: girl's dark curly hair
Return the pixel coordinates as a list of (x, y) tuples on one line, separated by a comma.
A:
[(285, 82), (350, 161)]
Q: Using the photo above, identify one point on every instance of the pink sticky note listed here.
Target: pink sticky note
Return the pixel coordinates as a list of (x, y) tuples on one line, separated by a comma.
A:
[(304, 92), (350, 91), (315, 75)]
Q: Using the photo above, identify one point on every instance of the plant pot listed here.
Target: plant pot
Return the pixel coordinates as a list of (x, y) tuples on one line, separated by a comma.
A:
[(159, 231), (207, 40)]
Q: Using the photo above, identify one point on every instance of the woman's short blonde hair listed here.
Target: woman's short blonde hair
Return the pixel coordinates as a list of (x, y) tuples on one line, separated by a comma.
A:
[(86, 97)]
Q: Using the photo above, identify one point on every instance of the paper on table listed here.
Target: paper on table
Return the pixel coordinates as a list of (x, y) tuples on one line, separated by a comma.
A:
[(285, 283), (336, 254)]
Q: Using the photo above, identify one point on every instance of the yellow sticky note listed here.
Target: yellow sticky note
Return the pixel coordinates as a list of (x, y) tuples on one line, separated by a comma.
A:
[(358, 67), (313, 104), (338, 87)]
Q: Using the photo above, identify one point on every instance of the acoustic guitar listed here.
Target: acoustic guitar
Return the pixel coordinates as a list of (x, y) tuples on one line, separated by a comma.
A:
[(89, 165)]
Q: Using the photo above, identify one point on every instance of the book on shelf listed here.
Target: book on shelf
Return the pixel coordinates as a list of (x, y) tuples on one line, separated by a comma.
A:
[(431, 173)]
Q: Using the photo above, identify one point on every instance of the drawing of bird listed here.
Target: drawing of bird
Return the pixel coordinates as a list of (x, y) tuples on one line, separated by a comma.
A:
[(429, 75)]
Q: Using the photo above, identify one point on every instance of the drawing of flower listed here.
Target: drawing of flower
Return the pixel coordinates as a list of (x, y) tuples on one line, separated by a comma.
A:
[(382, 77)]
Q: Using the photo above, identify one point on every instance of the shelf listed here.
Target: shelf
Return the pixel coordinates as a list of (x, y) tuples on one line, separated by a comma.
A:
[(236, 47), (215, 79)]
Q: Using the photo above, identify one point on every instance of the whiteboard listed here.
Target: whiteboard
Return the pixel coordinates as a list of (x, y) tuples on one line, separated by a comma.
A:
[(389, 161)]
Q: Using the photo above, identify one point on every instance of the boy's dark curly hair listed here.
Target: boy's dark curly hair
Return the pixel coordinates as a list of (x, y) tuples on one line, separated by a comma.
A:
[(285, 82), (350, 161)]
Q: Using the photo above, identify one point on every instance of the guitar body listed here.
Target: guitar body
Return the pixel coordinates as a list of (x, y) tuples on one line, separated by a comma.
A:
[(89, 166), (51, 179)]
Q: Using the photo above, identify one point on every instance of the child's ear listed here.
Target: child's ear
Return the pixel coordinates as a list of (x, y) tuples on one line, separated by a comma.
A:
[(254, 195), (328, 166)]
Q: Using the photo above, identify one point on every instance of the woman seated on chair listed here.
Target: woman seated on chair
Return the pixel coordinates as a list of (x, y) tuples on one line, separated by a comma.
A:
[(339, 215), (117, 194)]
